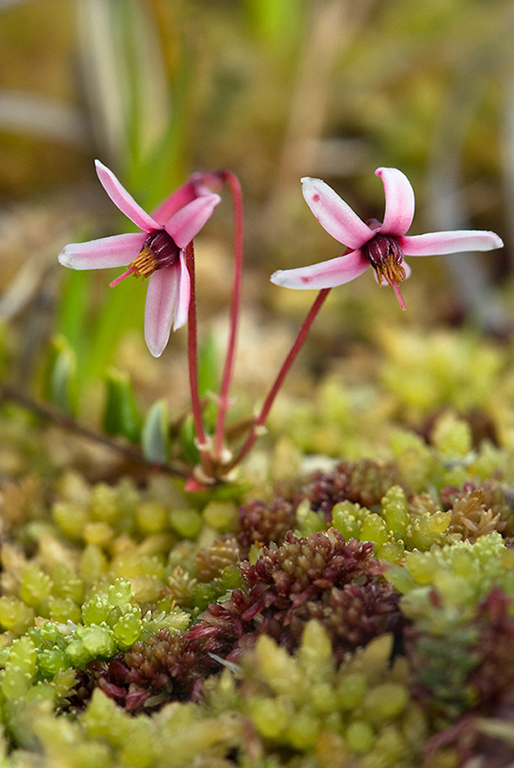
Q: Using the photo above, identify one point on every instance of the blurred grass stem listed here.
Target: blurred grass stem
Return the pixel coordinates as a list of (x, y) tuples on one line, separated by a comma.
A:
[(223, 401), (260, 421)]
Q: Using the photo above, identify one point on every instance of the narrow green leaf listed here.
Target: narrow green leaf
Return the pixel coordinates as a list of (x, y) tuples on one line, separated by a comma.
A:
[(75, 299), (122, 415), (188, 441), (60, 384), (277, 22), (155, 437), (209, 378), (208, 369)]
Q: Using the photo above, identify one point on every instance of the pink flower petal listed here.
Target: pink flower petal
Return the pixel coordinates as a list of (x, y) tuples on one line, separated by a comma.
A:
[(116, 251), (334, 214), (121, 198), (183, 295), (177, 200), (326, 274), (159, 308), (399, 201), (188, 221), (435, 243), (195, 187)]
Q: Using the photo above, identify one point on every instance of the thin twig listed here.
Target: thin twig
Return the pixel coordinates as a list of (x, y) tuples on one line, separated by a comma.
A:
[(68, 424)]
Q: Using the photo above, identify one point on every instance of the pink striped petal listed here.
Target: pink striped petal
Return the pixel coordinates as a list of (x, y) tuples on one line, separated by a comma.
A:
[(116, 251), (188, 221), (177, 200), (121, 198), (184, 294), (195, 187), (399, 201), (326, 274), (435, 243), (334, 215), (159, 308)]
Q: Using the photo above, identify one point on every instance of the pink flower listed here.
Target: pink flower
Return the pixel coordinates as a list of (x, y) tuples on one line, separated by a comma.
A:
[(157, 252), (382, 246)]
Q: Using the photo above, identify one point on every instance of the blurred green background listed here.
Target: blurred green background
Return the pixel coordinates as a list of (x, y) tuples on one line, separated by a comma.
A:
[(273, 90)]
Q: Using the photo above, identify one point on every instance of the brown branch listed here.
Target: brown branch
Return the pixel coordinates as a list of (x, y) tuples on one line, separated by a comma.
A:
[(68, 424)]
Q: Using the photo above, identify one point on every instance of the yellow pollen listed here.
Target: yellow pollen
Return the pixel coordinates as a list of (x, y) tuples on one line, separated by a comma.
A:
[(144, 264), (391, 271)]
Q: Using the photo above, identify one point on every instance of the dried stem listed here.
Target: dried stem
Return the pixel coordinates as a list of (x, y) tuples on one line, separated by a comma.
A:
[(67, 423)]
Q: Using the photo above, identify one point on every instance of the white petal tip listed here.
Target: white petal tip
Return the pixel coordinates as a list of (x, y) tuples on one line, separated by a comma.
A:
[(179, 323), (380, 171), (65, 258), (277, 278), (155, 350), (289, 278)]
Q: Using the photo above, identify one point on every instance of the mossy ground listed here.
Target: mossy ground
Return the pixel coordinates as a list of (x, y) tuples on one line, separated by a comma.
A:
[(252, 625)]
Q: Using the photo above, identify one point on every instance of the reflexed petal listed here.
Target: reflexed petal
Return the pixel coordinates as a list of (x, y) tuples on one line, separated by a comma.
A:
[(326, 274), (399, 201), (121, 198), (334, 214), (177, 200), (117, 251), (160, 305), (195, 187), (184, 294), (188, 221), (435, 243)]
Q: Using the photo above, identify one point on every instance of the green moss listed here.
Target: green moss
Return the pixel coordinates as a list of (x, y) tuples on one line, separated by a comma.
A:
[(15, 616), (221, 516), (348, 518), (90, 568), (186, 522)]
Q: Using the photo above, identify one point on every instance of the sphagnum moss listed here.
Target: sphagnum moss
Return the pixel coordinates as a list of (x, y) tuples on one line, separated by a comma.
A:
[(363, 618)]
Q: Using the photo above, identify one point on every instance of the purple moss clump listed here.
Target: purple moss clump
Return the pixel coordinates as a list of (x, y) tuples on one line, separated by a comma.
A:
[(364, 482), (321, 577), (340, 583), (261, 523), (168, 666)]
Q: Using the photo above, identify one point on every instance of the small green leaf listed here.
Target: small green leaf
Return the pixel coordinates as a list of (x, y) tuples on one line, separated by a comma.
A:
[(60, 379), (187, 438), (208, 379), (155, 437), (122, 415), (208, 373)]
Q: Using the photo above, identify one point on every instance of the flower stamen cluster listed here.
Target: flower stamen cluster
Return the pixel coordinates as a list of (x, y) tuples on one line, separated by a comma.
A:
[(159, 250), (385, 256)]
